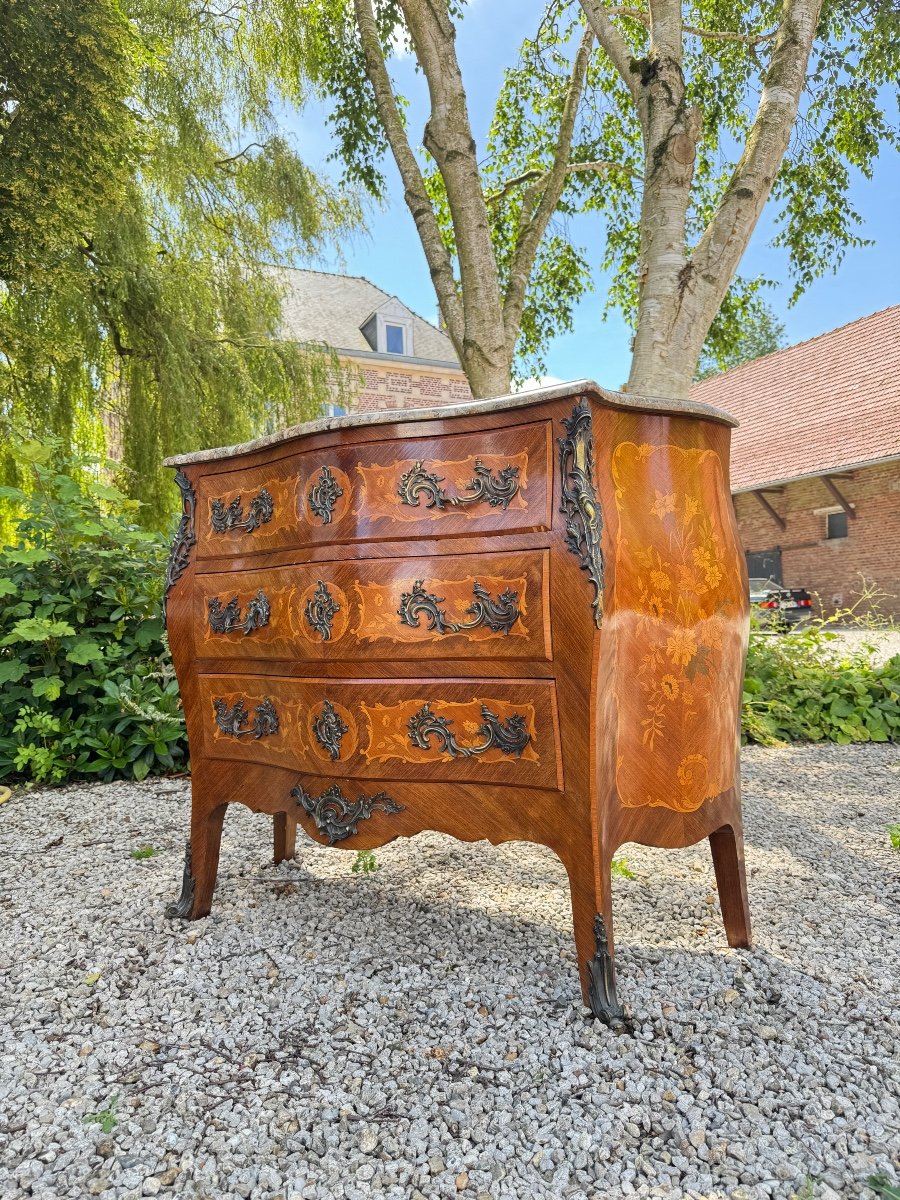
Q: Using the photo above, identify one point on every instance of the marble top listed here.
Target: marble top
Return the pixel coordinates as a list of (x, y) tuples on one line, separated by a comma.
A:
[(442, 412)]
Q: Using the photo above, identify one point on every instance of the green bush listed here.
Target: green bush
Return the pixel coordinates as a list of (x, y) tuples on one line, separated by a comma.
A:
[(812, 685), (86, 683)]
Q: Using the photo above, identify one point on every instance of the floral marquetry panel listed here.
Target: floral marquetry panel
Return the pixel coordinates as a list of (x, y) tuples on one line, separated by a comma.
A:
[(679, 627)]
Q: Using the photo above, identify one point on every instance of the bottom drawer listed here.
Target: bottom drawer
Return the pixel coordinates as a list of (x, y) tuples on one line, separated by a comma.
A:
[(495, 731)]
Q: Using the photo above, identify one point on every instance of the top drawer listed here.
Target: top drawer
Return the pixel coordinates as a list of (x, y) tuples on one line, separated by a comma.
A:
[(450, 486)]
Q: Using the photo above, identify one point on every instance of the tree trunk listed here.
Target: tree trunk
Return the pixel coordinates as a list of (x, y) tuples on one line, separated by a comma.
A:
[(486, 377)]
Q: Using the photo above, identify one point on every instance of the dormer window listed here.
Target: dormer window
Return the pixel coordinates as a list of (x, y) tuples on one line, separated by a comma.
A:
[(394, 338), (389, 330)]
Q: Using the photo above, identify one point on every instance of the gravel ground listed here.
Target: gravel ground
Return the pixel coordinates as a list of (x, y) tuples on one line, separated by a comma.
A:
[(885, 641), (417, 1033)]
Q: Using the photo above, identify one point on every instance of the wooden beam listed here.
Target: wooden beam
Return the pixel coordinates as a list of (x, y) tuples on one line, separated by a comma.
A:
[(839, 496), (779, 520)]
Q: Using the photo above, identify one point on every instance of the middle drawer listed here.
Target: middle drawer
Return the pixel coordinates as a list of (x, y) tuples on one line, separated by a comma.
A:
[(454, 606)]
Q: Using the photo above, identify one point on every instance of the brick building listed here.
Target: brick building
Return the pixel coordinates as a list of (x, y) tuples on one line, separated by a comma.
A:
[(815, 465), (399, 359)]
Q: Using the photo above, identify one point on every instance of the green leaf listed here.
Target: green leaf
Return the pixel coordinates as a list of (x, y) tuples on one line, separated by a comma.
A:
[(7, 587), (12, 671), (37, 629), (84, 651), (47, 685), (27, 557)]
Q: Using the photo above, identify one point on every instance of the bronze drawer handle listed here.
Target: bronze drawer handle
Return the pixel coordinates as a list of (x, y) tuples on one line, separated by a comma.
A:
[(499, 615), (232, 720), (320, 611), (497, 492), (224, 620), (260, 512), (509, 736), (329, 730), (324, 494), (336, 817)]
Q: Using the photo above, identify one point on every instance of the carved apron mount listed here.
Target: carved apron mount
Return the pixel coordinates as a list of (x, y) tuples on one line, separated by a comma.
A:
[(336, 816)]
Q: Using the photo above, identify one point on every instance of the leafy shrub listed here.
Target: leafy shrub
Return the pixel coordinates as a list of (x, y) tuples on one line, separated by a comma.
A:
[(86, 683), (812, 685)]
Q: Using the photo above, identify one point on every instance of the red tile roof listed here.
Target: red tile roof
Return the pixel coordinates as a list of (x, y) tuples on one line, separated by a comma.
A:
[(828, 404)]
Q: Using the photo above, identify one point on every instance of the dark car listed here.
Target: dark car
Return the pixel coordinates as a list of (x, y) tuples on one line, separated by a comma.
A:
[(781, 607)]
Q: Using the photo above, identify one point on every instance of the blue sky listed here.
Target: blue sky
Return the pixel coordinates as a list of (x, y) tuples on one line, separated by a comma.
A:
[(390, 254)]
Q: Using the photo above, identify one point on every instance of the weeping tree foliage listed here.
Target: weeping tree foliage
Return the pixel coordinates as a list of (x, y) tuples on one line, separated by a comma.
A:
[(760, 333), (674, 123), (145, 186)]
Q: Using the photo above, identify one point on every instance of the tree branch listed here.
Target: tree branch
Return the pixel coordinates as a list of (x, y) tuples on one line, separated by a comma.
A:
[(415, 193), (718, 35), (617, 49), (575, 168), (224, 162), (531, 230), (725, 238), (448, 139)]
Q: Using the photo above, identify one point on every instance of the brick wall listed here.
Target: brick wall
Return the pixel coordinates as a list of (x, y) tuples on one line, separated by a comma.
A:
[(398, 386), (833, 568)]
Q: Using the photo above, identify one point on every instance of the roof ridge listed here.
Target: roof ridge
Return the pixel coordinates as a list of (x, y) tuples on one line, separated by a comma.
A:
[(732, 371)]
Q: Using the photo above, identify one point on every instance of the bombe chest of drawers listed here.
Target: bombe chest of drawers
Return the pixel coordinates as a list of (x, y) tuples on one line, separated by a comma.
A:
[(516, 619)]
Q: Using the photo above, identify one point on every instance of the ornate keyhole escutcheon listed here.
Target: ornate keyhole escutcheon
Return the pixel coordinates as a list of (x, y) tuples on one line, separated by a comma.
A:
[(498, 615), (224, 518), (320, 611), (233, 721), (509, 736), (329, 729), (336, 816), (226, 618), (324, 495), (498, 492)]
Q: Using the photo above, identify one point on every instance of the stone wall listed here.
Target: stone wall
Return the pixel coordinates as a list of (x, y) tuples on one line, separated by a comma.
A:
[(833, 568), (400, 386)]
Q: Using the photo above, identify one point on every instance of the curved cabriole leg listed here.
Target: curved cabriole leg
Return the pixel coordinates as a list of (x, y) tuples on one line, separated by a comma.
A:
[(285, 836), (590, 883), (201, 863), (727, 846)]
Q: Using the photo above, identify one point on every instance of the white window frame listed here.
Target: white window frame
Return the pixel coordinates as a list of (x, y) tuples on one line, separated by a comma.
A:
[(403, 323)]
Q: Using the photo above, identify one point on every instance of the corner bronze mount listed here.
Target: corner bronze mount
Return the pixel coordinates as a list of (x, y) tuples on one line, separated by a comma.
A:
[(509, 736), (320, 611), (336, 816), (232, 720), (181, 908), (580, 506), (602, 986), (227, 618), (260, 511), (496, 492), (498, 615), (185, 538), (324, 494)]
